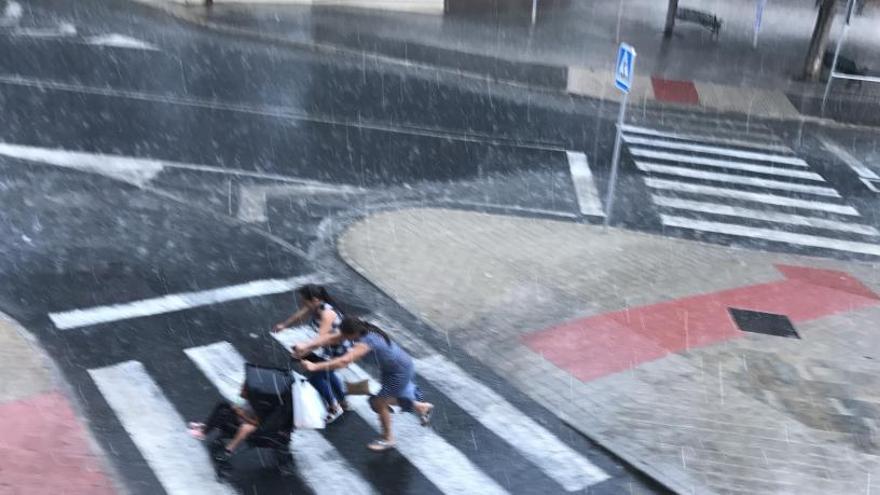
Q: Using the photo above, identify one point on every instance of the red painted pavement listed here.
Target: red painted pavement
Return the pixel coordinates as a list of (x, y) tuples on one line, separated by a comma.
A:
[(600, 345), (675, 91), (44, 450)]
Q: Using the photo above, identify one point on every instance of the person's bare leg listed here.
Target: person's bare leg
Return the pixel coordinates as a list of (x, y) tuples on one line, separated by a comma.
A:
[(381, 406), (241, 435)]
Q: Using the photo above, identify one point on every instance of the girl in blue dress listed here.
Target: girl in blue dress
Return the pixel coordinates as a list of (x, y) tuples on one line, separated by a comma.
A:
[(395, 366)]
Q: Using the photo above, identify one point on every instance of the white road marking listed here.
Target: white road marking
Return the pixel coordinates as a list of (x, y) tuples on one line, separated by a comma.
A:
[(77, 318), (11, 14), (770, 235), (715, 150), (560, 462), (748, 167), (317, 461), (557, 460), (772, 199), (777, 146), (134, 170), (179, 461), (444, 465), (115, 40), (252, 199), (64, 29), (699, 160), (854, 163), (584, 185), (763, 215), (737, 179)]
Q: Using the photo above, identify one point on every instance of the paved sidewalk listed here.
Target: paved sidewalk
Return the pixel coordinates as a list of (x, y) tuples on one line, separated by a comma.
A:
[(630, 338), (572, 48), (45, 449)]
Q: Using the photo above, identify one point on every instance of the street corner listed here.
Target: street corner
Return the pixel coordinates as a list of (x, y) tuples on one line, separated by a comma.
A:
[(678, 356), (45, 448)]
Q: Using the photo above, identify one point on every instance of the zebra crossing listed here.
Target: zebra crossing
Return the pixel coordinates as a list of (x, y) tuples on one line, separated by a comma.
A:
[(744, 187), (182, 465)]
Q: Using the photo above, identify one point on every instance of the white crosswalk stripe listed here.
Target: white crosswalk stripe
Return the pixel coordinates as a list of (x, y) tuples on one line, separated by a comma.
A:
[(316, 459), (693, 181), (182, 464), (561, 463), (717, 150), (179, 461), (444, 465), (737, 179)]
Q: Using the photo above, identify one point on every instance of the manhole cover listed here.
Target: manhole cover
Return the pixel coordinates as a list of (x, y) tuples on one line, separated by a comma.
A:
[(766, 323)]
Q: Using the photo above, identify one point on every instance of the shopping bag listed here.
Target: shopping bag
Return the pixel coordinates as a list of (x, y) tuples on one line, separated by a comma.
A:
[(309, 411)]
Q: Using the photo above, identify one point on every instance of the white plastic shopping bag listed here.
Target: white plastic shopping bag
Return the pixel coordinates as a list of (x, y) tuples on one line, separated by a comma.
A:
[(309, 411)]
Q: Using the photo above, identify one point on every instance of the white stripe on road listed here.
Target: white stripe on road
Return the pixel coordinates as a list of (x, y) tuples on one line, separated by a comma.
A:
[(697, 160), (763, 215), (115, 40), (444, 465), (11, 14), (744, 167), (559, 461), (770, 235), (179, 461), (584, 185), (671, 185), (631, 129), (860, 168), (317, 461), (715, 150), (176, 302), (63, 30), (737, 179)]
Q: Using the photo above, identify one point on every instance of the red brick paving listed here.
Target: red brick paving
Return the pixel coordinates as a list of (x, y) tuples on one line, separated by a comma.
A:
[(592, 347), (44, 450), (675, 91)]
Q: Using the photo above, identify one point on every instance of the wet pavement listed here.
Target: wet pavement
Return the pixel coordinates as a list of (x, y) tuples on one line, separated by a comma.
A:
[(145, 161)]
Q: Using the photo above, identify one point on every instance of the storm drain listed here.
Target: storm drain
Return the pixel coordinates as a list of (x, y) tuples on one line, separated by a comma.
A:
[(765, 323)]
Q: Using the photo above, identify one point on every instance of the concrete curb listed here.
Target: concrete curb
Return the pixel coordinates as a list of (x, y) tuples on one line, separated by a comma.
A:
[(632, 461), (179, 12), (61, 385)]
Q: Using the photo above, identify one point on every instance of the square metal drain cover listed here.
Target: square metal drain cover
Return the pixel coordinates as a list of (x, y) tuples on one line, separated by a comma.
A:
[(766, 323)]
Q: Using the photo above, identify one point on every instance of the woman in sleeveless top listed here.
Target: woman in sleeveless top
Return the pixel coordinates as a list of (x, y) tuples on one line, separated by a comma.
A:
[(396, 369), (318, 308)]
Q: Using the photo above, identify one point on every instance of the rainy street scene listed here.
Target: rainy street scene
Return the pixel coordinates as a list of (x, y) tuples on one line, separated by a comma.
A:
[(425, 247)]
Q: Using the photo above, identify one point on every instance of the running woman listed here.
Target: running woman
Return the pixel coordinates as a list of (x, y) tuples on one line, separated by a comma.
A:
[(318, 307), (396, 369)]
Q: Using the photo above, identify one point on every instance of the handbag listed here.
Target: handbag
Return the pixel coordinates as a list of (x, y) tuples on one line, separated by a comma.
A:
[(309, 411)]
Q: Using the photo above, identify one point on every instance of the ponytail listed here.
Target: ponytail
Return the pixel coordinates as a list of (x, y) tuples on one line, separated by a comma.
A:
[(356, 327)]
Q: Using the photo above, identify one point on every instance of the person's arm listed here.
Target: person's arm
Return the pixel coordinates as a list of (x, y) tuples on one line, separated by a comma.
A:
[(326, 336), (302, 349), (358, 351), (300, 314)]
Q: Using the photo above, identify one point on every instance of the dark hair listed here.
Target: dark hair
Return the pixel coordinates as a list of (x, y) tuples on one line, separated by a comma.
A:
[(312, 291), (356, 327)]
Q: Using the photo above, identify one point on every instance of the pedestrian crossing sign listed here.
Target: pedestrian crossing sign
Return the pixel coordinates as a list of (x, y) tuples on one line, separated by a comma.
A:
[(623, 75)]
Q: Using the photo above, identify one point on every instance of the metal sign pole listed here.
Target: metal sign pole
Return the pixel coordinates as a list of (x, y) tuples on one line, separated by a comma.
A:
[(534, 11), (849, 8), (615, 159)]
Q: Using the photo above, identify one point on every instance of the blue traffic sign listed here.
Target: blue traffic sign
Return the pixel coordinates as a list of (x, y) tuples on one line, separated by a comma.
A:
[(623, 74)]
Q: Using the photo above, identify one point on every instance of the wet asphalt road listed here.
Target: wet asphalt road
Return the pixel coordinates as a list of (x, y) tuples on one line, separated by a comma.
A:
[(229, 116)]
